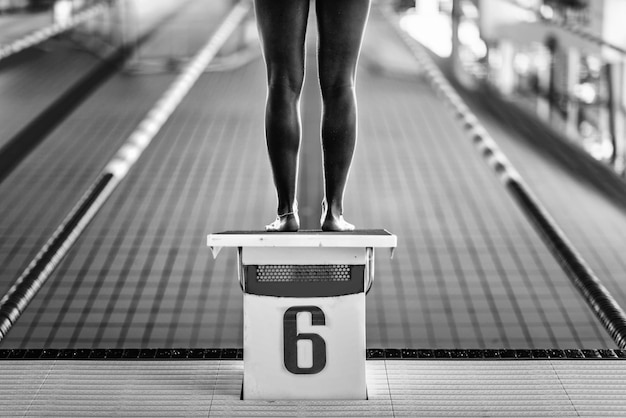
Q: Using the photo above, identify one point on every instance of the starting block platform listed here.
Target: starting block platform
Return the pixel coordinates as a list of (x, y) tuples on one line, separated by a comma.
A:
[(207, 382)]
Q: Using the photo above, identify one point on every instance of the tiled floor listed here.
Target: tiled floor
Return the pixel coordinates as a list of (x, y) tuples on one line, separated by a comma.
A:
[(429, 388), (469, 272)]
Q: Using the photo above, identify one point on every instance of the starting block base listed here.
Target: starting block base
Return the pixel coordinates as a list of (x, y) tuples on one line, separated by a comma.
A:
[(320, 361), (304, 310)]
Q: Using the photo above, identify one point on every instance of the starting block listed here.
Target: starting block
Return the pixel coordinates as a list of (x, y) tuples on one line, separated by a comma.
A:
[(304, 310)]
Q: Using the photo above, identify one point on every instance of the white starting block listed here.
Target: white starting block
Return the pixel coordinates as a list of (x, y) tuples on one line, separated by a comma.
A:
[(304, 310)]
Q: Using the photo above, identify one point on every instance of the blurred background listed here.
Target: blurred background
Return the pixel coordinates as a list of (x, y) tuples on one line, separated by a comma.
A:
[(562, 59), (546, 78)]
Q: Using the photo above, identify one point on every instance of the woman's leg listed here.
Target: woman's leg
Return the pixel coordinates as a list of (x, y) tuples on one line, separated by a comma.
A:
[(282, 27), (341, 24)]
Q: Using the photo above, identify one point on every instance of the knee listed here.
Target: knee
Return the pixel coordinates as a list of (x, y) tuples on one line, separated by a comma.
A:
[(285, 84), (337, 89)]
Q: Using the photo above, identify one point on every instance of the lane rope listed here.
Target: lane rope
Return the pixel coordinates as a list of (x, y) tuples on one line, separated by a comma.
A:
[(26, 286), (48, 32), (597, 296)]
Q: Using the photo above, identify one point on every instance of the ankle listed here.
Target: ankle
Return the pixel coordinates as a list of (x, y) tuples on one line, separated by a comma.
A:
[(287, 209), (334, 209)]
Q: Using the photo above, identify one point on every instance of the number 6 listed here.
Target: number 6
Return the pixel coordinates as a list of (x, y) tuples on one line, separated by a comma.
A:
[(291, 338)]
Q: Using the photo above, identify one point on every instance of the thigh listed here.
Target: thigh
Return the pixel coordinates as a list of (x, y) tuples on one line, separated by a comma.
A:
[(341, 24), (282, 27)]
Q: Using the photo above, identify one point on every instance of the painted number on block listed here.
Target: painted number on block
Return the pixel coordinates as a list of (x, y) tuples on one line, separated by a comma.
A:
[(291, 338)]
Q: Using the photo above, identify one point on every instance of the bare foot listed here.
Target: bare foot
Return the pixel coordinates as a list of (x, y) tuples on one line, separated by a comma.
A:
[(334, 222), (337, 225), (287, 222)]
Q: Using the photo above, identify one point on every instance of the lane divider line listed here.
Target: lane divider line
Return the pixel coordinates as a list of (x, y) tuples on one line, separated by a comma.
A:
[(26, 286), (48, 32), (597, 296)]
